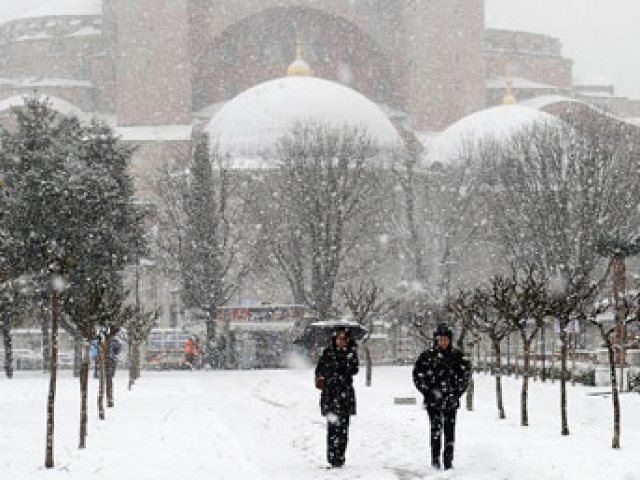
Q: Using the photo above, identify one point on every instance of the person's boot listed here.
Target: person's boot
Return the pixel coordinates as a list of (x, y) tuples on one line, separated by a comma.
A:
[(448, 456), (435, 457)]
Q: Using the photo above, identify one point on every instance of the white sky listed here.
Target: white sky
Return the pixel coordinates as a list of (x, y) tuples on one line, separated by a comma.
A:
[(601, 36)]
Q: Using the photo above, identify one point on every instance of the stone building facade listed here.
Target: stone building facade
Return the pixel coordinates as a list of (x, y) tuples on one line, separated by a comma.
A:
[(156, 62), (158, 70)]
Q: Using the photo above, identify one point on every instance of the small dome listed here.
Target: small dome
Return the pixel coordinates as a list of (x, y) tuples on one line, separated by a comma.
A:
[(497, 122), (62, 8), (248, 127)]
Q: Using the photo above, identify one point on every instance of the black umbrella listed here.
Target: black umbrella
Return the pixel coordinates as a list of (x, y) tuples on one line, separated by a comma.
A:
[(320, 333)]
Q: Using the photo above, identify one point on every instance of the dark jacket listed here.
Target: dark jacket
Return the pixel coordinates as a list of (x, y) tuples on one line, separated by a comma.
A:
[(337, 367), (442, 376)]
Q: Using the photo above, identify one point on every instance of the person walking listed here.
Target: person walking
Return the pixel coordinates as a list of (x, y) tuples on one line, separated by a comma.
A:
[(334, 376), (190, 352), (442, 374)]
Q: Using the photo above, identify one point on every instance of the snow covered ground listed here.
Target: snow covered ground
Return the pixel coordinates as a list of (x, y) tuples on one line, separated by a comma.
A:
[(254, 425)]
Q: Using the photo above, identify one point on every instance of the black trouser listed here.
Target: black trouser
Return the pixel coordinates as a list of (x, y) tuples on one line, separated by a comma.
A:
[(337, 437), (442, 420)]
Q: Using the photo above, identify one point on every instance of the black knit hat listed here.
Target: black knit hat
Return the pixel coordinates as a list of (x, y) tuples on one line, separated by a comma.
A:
[(442, 330)]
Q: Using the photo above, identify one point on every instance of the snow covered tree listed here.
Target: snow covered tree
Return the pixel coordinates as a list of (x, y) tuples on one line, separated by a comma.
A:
[(630, 313), (325, 210), (365, 305), (201, 234), (490, 321), (559, 190), (457, 212), (138, 327), (462, 310), (521, 300), (404, 169), (76, 219)]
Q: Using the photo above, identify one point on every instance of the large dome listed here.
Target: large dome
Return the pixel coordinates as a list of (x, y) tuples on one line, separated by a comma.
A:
[(497, 123), (248, 127)]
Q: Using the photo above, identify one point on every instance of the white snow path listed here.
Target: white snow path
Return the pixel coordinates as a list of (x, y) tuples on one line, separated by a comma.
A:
[(263, 425)]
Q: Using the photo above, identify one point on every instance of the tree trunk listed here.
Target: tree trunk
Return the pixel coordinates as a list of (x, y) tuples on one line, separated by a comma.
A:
[(102, 375), (534, 347), (469, 396), (496, 347), (84, 394), (516, 368), (563, 381), (8, 349), (487, 368), (77, 355), (46, 340), (623, 339), (51, 399), (524, 408), (136, 361), (553, 359), (614, 394), (573, 359), (131, 364), (368, 363), (210, 342)]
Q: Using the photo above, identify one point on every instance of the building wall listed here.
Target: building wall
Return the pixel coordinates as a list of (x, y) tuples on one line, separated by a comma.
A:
[(443, 65), (153, 81), (433, 49), (527, 55), (53, 56)]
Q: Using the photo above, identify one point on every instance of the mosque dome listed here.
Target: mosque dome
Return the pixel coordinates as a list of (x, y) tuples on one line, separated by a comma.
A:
[(497, 123), (248, 127)]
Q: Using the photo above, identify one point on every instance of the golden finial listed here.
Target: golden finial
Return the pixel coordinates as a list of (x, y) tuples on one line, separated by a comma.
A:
[(299, 67), (509, 98)]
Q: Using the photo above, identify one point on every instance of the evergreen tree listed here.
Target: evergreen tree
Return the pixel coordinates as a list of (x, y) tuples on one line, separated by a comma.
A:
[(71, 212)]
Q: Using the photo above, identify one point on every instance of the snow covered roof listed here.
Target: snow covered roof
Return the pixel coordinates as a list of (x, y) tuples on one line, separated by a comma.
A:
[(543, 101), (60, 8), (151, 133), (496, 122), (57, 104), (248, 127), (517, 82)]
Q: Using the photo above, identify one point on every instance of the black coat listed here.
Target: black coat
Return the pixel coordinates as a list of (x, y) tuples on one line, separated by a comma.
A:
[(442, 376), (337, 367)]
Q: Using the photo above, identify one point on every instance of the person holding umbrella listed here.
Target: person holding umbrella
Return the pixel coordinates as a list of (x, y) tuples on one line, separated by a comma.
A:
[(334, 377)]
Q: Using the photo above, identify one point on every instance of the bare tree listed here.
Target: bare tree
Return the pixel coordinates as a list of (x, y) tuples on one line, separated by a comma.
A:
[(558, 191), (365, 304), (138, 326), (523, 303), (493, 324), (404, 168), (462, 309), (457, 205), (326, 199)]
